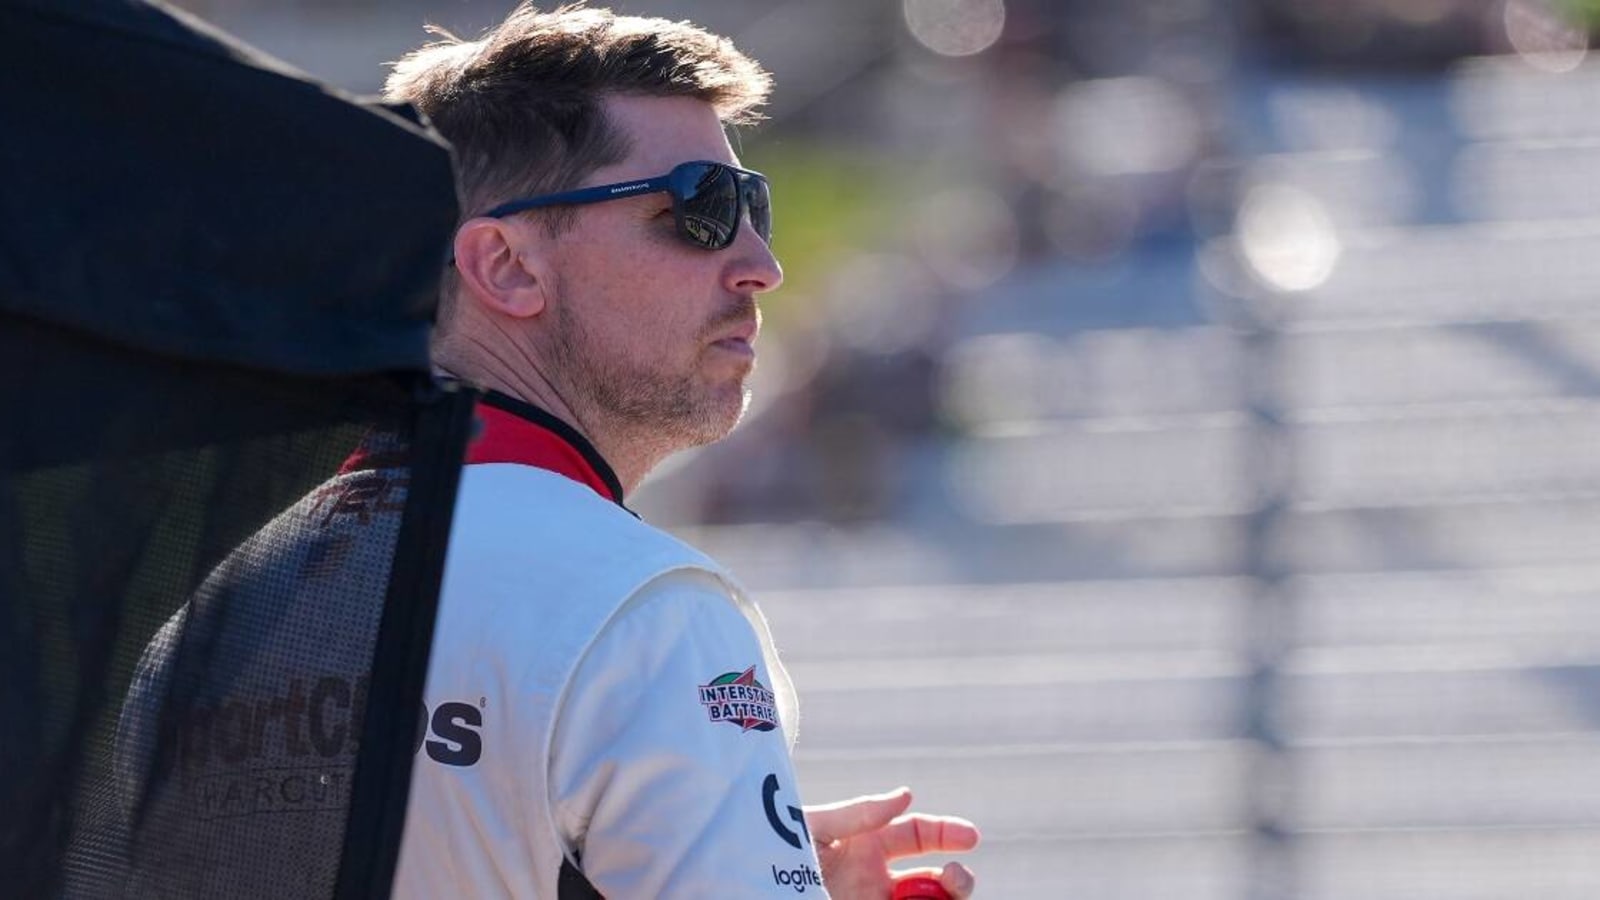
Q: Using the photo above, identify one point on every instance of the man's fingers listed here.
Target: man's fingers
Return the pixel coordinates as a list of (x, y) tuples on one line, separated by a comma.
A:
[(860, 815), (958, 881), (917, 834)]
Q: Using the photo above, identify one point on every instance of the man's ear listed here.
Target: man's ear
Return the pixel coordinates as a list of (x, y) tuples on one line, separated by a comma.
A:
[(499, 267)]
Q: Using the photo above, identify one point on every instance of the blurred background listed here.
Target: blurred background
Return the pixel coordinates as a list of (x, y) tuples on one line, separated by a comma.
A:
[(1176, 446)]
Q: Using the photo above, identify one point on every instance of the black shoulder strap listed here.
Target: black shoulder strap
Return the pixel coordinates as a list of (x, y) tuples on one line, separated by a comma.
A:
[(571, 885)]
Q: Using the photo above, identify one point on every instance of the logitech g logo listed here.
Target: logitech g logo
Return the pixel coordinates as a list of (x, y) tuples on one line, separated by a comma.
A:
[(769, 795)]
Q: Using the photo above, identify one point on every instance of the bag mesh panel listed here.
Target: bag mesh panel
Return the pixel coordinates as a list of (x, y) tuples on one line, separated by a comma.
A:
[(192, 593)]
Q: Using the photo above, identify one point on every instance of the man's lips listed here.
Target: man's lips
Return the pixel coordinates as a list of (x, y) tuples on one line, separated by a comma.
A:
[(744, 335), (736, 329), (737, 345)]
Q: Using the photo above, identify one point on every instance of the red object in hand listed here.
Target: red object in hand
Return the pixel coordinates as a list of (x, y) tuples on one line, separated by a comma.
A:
[(920, 887)]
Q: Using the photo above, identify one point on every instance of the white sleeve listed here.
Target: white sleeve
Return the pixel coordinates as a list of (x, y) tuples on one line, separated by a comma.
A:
[(670, 775)]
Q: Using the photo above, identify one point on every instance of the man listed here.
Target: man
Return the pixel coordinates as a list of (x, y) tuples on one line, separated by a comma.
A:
[(619, 721)]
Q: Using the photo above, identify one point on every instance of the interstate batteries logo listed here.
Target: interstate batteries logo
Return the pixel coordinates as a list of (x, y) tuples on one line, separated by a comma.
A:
[(739, 699)]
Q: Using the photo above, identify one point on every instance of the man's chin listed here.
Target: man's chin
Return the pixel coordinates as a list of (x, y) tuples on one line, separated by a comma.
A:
[(744, 404), (719, 417)]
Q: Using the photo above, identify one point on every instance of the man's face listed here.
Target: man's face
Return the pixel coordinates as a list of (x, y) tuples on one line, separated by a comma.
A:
[(648, 330)]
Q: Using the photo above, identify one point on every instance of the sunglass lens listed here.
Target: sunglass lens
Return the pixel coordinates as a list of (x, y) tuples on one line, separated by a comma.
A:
[(758, 199), (710, 197)]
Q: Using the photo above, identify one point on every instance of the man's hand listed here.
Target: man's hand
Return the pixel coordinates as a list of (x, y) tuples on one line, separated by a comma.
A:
[(857, 838)]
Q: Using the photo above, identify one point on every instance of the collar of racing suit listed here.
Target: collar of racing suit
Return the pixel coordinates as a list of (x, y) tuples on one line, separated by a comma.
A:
[(510, 431), (514, 431)]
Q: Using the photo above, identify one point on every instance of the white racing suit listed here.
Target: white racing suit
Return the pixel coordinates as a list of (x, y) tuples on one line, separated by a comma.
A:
[(600, 697)]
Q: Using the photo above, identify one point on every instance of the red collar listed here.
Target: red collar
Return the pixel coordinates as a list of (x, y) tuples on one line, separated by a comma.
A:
[(516, 432), (510, 431)]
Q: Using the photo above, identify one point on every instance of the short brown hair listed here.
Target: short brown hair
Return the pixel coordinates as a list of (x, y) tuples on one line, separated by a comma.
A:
[(521, 104)]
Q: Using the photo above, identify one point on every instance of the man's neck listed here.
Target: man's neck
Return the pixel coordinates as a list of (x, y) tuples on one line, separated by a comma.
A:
[(630, 458)]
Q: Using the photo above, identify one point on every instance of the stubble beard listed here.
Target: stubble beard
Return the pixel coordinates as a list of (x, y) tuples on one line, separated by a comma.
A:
[(671, 409)]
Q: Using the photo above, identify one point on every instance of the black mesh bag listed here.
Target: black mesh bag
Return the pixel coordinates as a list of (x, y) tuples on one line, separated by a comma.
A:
[(226, 476)]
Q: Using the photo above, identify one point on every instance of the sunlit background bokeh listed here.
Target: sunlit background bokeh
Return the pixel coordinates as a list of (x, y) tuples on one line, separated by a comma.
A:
[(1177, 444)]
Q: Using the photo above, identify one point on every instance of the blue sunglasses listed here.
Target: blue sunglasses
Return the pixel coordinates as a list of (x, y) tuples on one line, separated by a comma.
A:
[(709, 200)]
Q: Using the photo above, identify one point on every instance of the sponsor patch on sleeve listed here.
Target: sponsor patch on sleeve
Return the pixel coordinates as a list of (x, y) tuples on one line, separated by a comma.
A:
[(738, 699)]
